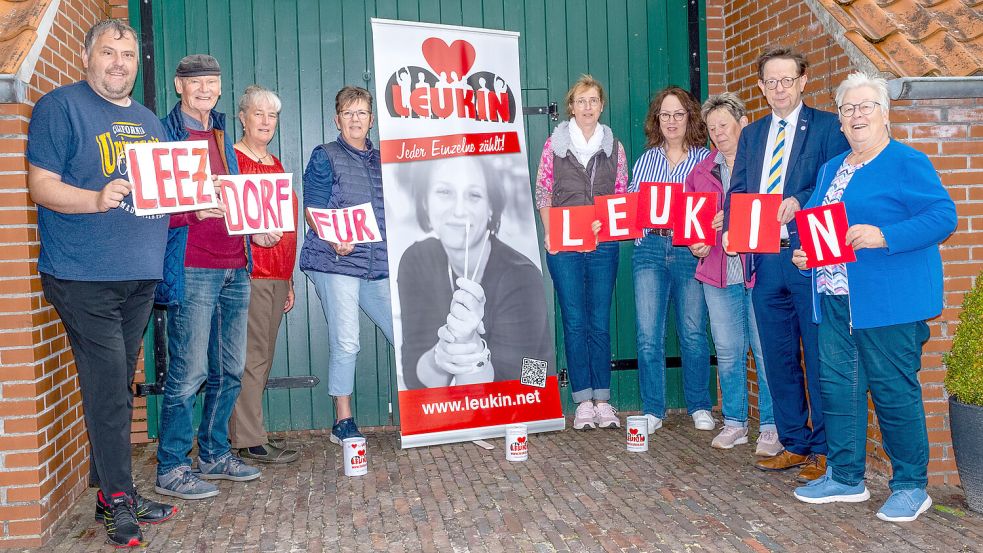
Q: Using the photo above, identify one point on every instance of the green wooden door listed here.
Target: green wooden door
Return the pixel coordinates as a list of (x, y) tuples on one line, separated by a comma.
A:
[(307, 49)]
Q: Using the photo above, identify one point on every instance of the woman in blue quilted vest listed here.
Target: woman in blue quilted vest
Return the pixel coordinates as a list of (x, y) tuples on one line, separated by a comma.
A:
[(347, 277)]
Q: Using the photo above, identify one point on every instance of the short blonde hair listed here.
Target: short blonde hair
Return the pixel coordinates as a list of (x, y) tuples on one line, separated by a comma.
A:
[(727, 100), (858, 79), (583, 83)]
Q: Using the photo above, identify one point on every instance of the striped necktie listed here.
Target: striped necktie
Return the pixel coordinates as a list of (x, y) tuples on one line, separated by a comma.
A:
[(777, 157)]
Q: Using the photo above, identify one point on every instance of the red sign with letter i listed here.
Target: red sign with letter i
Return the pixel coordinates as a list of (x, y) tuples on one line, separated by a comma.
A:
[(754, 223)]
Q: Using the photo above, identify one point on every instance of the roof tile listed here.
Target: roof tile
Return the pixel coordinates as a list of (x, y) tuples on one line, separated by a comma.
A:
[(915, 38), (19, 20)]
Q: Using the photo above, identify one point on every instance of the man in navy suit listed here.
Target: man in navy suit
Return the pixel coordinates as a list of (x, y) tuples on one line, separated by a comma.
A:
[(781, 154)]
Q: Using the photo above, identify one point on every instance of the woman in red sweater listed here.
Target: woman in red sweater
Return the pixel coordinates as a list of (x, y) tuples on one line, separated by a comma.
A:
[(272, 286)]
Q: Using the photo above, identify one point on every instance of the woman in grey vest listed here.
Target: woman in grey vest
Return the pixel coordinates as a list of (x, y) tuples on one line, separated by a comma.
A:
[(347, 277), (581, 160)]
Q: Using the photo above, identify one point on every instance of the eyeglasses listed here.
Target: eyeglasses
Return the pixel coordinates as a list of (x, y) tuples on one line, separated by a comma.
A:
[(360, 114), (865, 108), (772, 84), (583, 102), (676, 116)]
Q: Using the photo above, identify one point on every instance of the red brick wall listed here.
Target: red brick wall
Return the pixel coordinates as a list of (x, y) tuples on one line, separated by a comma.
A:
[(43, 446), (950, 132)]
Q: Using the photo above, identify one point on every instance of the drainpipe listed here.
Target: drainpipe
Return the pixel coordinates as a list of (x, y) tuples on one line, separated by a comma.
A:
[(927, 88)]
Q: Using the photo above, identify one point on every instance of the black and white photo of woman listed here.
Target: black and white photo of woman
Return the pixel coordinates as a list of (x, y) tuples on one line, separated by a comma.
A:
[(471, 306)]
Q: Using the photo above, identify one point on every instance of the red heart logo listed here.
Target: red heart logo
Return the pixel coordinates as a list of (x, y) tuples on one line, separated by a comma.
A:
[(521, 439), (361, 452), (633, 430), (354, 446), (443, 59)]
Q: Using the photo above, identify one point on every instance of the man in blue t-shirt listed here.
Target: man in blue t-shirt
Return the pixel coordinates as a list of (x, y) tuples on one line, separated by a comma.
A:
[(99, 261)]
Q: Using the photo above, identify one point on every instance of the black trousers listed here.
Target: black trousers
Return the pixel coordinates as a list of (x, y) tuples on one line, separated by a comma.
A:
[(105, 322)]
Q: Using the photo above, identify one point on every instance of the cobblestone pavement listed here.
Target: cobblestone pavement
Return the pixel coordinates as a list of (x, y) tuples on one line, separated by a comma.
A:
[(579, 491)]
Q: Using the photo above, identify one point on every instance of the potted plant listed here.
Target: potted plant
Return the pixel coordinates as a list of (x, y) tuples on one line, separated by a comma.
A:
[(964, 382)]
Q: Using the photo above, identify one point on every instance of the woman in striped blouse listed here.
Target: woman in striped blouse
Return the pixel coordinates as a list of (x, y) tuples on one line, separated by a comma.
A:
[(676, 138)]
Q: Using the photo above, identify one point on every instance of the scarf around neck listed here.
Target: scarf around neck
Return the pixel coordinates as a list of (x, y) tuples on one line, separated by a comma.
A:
[(584, 148)]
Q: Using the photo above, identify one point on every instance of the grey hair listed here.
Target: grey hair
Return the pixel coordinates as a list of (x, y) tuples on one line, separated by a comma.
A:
[(255, 94), (118, 26), (858, 79), (727, 100)]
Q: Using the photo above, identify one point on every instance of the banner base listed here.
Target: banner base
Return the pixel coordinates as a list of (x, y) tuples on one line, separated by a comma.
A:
[(470, 434)]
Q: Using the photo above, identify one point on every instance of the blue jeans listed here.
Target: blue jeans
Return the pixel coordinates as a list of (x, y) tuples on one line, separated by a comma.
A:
[(206, 343), (341, 297), (584, 284), (734, 330), (884, 360), (663, 273), (782, 301)]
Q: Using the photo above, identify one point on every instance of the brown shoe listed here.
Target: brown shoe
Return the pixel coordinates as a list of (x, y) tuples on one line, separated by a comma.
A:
[(784, 460), (812, 470)]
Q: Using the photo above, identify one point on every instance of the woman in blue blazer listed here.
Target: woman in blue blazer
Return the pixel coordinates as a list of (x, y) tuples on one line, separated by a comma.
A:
[(872, 313)]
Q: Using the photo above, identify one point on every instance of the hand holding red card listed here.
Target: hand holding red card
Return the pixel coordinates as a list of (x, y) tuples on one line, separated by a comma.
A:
[(618, 214), (570, 229), (693, 219), (754, 223), (823, 233)]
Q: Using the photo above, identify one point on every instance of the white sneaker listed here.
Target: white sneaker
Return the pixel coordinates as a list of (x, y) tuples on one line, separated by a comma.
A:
[(655, 423), (584, 417), (768, 444), (605, 416), (702, 420), (729, 437)]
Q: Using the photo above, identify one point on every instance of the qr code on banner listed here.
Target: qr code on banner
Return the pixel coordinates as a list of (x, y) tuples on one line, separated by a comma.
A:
[(533, 372)]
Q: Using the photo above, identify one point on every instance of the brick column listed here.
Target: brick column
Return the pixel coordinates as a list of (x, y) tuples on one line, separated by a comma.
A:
[(43, 444)]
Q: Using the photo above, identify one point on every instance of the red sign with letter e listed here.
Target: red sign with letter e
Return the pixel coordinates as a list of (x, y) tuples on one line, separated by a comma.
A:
[(823, 233), (170, 177), (618, 214), (570, 229), (693, 219), (754, 223)]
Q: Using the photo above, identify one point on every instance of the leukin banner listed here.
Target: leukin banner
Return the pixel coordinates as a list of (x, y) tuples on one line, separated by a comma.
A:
[(474, 348)]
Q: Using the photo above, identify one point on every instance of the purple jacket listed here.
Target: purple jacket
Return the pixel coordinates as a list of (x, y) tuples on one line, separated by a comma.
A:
[(712, 269)]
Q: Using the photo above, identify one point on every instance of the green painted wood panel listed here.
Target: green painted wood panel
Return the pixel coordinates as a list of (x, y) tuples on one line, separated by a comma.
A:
[(307, 49)]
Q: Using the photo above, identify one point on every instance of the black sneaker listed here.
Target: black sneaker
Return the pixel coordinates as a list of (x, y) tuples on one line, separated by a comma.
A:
[(147, 511), (121, 524), (344, 429)]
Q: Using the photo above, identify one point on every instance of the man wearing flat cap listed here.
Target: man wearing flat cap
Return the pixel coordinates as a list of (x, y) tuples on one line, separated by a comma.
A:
[(206, 291)]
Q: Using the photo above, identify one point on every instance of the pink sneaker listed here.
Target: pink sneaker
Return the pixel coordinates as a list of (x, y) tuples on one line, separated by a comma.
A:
[(729, 437), (606, 416), (584, 417)]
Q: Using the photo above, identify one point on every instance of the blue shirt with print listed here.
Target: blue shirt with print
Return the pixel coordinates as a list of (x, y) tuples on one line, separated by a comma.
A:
[(79, 135)]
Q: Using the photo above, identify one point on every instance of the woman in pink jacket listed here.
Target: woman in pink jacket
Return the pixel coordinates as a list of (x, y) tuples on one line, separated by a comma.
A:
[(727, 290)]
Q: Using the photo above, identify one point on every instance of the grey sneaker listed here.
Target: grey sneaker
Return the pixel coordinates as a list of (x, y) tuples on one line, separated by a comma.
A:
[(182, 483), (768, 444), (226, 467), (729, 437)]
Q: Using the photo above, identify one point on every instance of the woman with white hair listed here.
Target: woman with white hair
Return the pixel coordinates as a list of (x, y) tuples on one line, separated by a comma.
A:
[(872, 313), (271, 286)]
